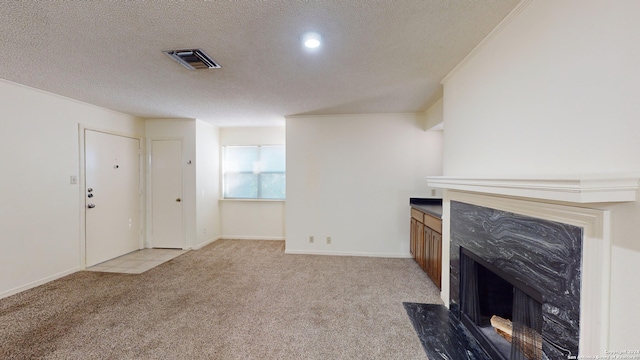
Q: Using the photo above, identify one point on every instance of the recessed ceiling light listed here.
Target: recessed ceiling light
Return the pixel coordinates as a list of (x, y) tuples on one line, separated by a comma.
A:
[(311, 40)]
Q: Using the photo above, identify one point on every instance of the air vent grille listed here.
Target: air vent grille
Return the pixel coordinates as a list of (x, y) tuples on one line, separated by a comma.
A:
[(193, 59)]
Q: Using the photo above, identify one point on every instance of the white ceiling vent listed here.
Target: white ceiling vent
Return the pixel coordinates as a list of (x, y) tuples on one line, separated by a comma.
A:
[(193, 59)]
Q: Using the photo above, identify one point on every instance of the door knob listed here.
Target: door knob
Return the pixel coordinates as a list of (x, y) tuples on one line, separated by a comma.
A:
[(178, 200), (91, 206)]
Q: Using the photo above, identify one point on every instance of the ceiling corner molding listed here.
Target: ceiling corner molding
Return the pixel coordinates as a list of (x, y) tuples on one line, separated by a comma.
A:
[(578, 189), (503, 24)]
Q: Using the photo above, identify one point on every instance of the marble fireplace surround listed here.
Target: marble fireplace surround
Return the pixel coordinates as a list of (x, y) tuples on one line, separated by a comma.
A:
[(542, 255), (567, 201)]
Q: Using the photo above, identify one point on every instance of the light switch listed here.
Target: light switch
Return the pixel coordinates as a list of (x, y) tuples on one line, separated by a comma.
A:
[(73, 179)]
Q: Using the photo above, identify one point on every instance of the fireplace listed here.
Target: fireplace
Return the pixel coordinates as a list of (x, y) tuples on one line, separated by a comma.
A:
[(575, 305), (522, 270)]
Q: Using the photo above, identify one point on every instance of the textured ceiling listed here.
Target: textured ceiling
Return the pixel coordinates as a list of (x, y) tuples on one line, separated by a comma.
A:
[(377, 56)]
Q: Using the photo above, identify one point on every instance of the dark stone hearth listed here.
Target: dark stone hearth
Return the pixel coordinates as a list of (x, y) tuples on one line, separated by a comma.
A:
[(546, 255), (441, 333)]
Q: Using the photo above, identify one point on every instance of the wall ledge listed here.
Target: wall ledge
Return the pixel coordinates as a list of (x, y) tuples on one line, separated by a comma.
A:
[(579, 189)]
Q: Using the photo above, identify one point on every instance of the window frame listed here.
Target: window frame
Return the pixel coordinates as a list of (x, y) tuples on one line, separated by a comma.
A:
[(258, 174)]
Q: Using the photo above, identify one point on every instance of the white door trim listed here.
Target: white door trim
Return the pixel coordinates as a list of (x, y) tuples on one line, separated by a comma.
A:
[(82, 185), (149, 194)]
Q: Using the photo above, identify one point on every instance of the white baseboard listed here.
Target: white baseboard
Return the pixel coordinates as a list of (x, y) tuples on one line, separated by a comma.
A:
[(210, 241), (347, 253), (38, 282), (245, 237)]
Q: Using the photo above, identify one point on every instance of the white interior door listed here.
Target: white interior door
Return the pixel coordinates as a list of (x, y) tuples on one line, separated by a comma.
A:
[(166, 194), (112, 196)]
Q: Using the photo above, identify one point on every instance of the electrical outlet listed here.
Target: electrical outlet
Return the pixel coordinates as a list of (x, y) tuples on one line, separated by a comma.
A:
[(73, 180), (433, 192), (328, 239), (311, 239), (205, 230)]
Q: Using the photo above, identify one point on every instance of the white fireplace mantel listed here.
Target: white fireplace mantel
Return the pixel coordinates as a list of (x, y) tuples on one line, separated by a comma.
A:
[(561, 199), (571, 189)]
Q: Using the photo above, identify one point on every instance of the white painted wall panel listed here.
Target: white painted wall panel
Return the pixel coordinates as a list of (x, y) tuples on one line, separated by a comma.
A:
[(556, 91), (253, 220), (351, 176), (39, 208), (274, 135), (208, 227), (434, 116)]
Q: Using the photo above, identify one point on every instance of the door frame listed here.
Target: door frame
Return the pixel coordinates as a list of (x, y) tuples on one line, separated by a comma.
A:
[(149, 195), (82, 185)]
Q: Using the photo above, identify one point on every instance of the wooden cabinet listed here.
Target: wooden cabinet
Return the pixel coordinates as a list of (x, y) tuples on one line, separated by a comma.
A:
[(426, 244)]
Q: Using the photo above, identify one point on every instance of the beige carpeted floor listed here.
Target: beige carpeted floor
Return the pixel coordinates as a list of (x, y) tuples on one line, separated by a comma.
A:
[(233, 299)]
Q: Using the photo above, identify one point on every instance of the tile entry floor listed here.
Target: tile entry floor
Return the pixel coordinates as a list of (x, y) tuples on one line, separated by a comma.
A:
[(138, 261)]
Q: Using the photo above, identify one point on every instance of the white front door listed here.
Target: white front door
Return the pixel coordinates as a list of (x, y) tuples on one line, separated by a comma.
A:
[(112, 196), (166, 194)]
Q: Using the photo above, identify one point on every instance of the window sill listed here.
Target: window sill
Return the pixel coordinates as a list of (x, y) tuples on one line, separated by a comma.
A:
[(252, 200)]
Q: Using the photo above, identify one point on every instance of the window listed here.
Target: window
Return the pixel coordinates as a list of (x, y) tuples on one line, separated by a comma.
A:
[(254, 172)]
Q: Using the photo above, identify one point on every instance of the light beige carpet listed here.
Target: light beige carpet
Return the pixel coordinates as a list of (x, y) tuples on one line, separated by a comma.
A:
[(233, 299)]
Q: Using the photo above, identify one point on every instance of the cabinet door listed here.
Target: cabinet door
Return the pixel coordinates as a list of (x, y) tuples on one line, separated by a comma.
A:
[(420, 242), (427, 250), (412, 238), (437, 259)]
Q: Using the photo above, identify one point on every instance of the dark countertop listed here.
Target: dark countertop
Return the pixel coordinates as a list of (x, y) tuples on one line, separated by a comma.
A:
[(429, 206)]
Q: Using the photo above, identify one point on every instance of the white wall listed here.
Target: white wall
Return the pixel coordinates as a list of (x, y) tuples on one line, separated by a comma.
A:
[(351, 176), (39, 208), (253, 220), (208, 225), (434, 116), (562, 78), (273, 135), (248, 219), (556, 93)]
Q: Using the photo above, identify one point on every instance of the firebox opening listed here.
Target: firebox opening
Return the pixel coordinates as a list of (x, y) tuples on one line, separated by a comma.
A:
[(496, 308), (495, 296)]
